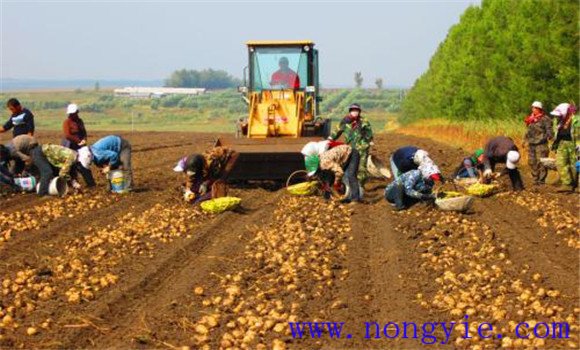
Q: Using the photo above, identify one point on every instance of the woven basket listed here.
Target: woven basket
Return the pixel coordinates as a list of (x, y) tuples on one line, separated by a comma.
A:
[(460, 204)]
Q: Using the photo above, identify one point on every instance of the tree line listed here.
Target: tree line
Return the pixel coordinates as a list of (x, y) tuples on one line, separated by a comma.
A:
[(500, 58), (207, 78)]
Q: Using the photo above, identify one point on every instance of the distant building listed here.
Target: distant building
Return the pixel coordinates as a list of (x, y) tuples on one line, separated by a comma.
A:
[(156, 92)]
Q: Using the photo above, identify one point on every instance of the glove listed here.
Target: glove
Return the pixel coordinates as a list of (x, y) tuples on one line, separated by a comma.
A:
[(75, 184), (330, 138), (487, 173), (188, 196), (203, 188)]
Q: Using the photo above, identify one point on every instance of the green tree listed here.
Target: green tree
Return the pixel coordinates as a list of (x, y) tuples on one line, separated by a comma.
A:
[(207, 78), (499, 58), (97, 86), (379, 83)]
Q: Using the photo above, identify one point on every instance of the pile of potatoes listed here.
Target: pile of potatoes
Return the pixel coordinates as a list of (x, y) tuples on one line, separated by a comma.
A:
[(474, 276), (21, 295), (293, 259), (40, 215), (86, 265), (551, 215), (89, 261)]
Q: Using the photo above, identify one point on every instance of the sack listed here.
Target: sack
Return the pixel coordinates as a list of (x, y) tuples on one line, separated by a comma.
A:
[(376, 168), (303, 188), (219, 205)]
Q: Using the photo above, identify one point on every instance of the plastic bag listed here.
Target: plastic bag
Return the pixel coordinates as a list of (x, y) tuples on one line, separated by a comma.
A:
[(303, 188), (219, 205), (482, 190)]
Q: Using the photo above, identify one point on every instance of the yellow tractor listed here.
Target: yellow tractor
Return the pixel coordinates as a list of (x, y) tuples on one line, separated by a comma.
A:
[(281, 88)]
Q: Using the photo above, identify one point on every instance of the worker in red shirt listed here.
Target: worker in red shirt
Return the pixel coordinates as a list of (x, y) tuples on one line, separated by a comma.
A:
[(285, 76)]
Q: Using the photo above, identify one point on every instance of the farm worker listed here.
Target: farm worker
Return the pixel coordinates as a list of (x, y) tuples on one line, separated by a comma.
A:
[(68, 163), (341, 162), (29, 151), (285, 76), (472, 166), (358, 134), (502, 149), (113, 152), (412, 158), (6, 175), (75, 134), (411, 187), (316, 148), (205, 174), (21, 120), (538, 133), (566, 145)]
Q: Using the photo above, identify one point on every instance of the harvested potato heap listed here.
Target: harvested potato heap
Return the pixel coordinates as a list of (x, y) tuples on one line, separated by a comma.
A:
[(551, 215), (291, 262), (473, 273), (47, 212), (88, 264)]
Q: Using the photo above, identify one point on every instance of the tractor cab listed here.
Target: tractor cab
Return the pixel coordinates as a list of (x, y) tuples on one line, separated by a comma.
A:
[(282, 90)]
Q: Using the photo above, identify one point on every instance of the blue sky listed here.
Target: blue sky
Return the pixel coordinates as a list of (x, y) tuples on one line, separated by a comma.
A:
[(71, 39)]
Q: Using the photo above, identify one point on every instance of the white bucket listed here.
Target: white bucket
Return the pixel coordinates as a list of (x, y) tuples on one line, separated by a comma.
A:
[(57, 187), (117, 181), (27, 183)]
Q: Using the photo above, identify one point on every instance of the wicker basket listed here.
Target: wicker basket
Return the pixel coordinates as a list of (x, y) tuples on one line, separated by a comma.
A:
[(460, 204)]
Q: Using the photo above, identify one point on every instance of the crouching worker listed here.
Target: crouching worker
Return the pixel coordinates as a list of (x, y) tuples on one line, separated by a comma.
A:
[(27, 152), (111, 153), (410, 158), (337, 164), (412, 187), (67, 163), (471, 167), (502, 149), (205, 174)]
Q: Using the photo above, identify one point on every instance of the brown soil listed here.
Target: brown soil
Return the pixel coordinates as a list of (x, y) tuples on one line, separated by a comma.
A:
[(387, 267)]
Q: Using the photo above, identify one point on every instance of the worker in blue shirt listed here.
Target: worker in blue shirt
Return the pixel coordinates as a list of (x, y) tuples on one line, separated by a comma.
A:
[(113, 152)]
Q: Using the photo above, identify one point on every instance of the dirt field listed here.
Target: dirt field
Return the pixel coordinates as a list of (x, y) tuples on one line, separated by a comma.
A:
[(145, 270)]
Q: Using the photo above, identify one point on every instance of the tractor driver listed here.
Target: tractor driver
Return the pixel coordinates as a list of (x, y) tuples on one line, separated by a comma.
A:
[(285, 76)]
